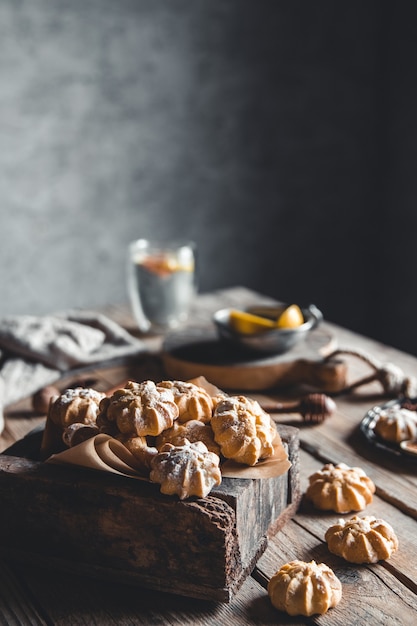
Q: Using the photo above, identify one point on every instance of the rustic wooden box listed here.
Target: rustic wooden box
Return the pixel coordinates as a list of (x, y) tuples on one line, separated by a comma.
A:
[(120, 529)]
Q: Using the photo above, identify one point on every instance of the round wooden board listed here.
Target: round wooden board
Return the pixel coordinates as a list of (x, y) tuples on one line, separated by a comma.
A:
[(197, 352)]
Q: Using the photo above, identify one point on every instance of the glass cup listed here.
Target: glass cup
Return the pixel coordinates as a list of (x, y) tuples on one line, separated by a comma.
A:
[(161, 283)]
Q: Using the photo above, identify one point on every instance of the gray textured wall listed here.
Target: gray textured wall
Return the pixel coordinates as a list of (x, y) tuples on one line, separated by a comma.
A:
[(273, 133)]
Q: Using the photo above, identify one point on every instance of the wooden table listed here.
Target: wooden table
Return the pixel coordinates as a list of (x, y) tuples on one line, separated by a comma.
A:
[(385, 593)]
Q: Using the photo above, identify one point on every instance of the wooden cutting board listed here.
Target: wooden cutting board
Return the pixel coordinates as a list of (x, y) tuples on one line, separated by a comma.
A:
[(199, 352)]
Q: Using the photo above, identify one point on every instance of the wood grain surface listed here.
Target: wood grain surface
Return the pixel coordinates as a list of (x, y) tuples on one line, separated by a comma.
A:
[(384, 593)]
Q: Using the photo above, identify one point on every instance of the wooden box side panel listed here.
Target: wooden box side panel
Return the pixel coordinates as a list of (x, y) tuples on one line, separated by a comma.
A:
[(262, 507), (125, 527), (257, 505)]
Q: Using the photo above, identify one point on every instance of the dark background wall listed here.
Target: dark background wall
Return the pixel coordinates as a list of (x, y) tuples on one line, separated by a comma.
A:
[(280, 136)]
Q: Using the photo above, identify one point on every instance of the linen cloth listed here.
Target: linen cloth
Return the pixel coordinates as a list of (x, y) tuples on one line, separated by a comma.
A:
[(36, 351)]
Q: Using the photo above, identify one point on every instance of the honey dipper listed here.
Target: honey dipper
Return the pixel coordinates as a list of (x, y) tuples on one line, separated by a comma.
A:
[(314, 408)]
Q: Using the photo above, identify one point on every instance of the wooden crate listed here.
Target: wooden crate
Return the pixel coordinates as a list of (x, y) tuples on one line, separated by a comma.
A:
[(121, 529)]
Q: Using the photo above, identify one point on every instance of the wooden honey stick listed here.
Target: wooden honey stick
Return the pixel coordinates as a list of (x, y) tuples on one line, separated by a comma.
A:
[(314, 408)]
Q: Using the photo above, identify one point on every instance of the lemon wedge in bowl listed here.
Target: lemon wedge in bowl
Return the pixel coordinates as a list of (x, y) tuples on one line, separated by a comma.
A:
[(291, 317), (248, 323), (255, 329)]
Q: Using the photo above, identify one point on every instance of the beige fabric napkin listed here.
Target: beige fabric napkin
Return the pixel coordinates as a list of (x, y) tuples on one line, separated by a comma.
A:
[(36, 351)]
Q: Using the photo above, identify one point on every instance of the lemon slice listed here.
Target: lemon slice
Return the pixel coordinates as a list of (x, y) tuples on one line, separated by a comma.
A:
[(291, 317), (249, 324)]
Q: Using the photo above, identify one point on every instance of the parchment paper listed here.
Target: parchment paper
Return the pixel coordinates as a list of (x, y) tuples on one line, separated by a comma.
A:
[(105, 453)]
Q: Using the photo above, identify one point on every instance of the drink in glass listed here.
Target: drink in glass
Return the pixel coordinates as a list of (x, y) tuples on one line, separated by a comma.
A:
[(161, 283)]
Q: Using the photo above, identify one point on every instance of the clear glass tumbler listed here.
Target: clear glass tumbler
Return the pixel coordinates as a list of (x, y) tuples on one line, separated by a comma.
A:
[(161, 282)]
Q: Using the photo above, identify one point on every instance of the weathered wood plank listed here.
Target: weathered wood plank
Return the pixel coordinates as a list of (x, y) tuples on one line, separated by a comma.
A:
[(16, 609), (334, 442), (317, 522), (371, 595), (72, 599), (382, 594)]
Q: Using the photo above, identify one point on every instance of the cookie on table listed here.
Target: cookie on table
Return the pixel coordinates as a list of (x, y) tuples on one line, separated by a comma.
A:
[(340, 488), (301, 588), (362, 539)]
